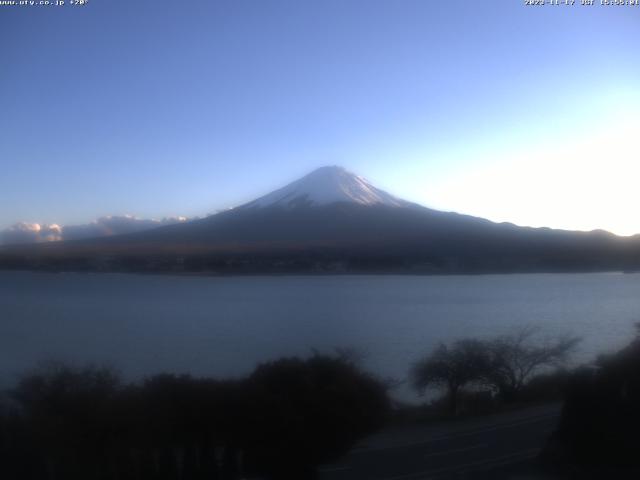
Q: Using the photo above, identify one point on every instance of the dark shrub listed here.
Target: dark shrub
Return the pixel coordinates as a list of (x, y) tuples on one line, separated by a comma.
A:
[(310, 412), (285, 419), (601, 416), (68, 414)]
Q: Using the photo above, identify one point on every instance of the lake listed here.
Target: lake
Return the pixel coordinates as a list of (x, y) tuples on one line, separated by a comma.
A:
[(223, 326)]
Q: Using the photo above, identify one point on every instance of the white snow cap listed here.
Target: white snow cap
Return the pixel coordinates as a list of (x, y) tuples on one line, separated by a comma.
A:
[(325, 186)]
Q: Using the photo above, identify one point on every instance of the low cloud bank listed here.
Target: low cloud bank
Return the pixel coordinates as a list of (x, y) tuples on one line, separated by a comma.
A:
[(23, 232)]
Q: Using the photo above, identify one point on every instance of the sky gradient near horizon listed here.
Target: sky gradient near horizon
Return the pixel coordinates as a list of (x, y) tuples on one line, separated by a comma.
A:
[(495, 109)]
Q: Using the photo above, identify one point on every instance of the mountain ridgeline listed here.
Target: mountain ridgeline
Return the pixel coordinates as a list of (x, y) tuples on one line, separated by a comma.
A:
[(332, 221)]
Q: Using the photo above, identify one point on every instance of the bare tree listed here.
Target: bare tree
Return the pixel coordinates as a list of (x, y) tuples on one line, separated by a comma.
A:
[(516, 357), (463, 363), (505, 364)]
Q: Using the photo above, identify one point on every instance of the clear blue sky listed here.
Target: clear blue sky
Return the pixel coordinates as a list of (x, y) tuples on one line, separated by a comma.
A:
[(154, 108)]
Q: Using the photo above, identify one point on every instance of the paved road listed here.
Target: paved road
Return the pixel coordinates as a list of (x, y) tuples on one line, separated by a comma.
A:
[(495, 447)]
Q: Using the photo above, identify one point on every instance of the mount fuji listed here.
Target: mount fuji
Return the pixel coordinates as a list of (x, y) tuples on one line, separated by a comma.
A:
[(332, 220), (325, 186)]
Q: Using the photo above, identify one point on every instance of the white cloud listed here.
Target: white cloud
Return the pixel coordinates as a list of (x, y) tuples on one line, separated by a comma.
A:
[(24, 232)]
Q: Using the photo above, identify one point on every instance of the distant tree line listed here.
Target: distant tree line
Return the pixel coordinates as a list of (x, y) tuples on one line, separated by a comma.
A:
[(286, 418)]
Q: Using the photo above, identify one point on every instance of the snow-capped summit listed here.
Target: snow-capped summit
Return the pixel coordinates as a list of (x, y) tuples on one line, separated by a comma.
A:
[(325, 186)]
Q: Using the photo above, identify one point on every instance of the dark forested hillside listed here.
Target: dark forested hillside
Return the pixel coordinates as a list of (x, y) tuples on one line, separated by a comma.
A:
[(341, 237)]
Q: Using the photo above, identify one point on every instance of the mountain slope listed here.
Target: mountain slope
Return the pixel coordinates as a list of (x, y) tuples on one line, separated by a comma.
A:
[(333, 220)]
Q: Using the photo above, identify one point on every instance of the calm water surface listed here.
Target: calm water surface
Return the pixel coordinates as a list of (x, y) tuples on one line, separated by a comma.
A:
[(224, 326)]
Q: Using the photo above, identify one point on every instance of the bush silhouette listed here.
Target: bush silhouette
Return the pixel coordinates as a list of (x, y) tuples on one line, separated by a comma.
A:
[(281, 422), (68, 415), (312, 411), (601, 415)]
